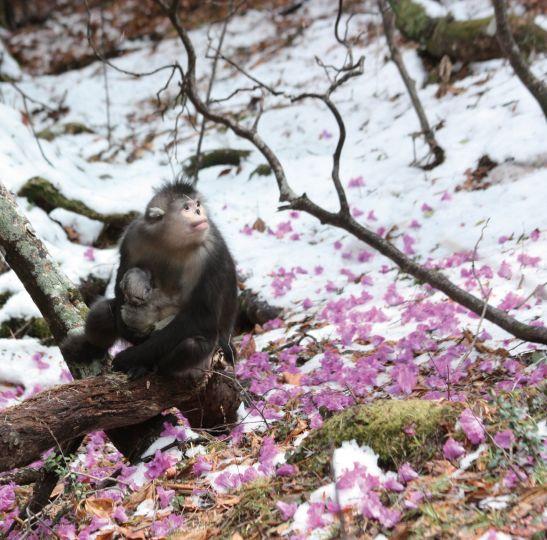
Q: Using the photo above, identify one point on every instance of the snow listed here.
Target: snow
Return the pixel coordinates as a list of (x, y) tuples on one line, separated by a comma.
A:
[(492, 114)]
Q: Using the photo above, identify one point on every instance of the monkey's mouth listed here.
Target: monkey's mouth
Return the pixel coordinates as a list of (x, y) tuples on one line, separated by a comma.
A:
[(200, 225)]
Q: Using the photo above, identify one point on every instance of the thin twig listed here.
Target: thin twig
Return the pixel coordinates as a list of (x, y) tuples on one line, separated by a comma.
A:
[(209, 90), (434, 147)]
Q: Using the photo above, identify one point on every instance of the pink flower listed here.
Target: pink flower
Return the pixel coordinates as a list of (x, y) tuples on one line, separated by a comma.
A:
[(287, 510), (534, 235), (165, 496), (119, 514), (503, 239), (7, 497), (40, 364), (158, 465), (286, 470), (408, 241), (356, 182), (505, 271), (453, 449), (406, 473), (325, 134), (414, 224), (511, 301), (426, 209), (316, 511), (392, 297), (504, 439), (89, 254), (170, 430), (167, 525), (528, 260), (472, 427), (201, 466)]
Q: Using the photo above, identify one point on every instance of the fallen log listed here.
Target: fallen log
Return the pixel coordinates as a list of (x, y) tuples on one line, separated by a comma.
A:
[(107, 402), (467, 41)]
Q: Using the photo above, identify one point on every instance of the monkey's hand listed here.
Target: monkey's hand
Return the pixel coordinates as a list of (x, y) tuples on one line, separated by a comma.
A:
[(124, 364)]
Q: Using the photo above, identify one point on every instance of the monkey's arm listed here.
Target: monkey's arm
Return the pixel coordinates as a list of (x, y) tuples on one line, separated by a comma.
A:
[(184, 343), (98, 336)]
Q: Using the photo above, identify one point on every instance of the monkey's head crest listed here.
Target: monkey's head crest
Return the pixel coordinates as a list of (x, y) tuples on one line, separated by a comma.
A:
[(175, 189)]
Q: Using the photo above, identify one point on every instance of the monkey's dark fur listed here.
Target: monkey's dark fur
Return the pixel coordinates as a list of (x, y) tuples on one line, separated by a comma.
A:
[(175, 294)]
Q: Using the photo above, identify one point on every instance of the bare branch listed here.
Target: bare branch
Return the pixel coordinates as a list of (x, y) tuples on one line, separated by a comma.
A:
[(209, 90), (509, 46), (345, 220), (435, 148)]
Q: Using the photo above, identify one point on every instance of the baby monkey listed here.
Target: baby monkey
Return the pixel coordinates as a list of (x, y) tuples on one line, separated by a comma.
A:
[(175, 293)]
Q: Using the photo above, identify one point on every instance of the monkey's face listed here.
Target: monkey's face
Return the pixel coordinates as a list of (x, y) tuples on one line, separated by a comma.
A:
[(178, 223)]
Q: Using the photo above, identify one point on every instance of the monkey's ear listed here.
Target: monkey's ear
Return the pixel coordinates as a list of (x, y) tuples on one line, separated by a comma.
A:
[(155, 213)]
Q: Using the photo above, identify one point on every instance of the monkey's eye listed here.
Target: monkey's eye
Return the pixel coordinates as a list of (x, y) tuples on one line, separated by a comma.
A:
[(198, 204), (186, 207)]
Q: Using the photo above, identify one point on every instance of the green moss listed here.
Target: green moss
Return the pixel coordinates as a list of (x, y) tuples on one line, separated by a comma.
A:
[(212, 158), (412, 20), (468, 41), (381, 425), (70, 128), (75, 128), (44, 194), (47, 134), (262, 170), (35, 327)]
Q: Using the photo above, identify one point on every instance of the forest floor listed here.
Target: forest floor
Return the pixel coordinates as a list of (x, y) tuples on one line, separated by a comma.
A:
[(374, 406)]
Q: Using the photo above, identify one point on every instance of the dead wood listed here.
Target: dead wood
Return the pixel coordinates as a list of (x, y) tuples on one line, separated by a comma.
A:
[(108, 402)]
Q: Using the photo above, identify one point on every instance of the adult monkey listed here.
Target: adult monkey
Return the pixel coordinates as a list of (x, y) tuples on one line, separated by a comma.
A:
[(175, 294)]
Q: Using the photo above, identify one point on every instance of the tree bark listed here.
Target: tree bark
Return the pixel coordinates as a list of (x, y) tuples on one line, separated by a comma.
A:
[(109, 402), (509, 46)]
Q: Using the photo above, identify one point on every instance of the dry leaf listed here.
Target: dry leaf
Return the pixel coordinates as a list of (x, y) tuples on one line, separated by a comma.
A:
[(146, 492), (101, 508), (292, 378), (57, 490), (259, 225), (132, 535)]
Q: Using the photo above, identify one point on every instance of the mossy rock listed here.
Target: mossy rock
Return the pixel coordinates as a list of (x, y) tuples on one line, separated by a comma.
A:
[(35, 327), (45, 195), (75, 128), (70, 128), (261, 170), (212, 158), (381, 425)]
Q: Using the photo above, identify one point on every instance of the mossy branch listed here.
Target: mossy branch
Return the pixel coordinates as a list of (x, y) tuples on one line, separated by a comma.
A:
[(467, 41), (45, 195), (212, 158)]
